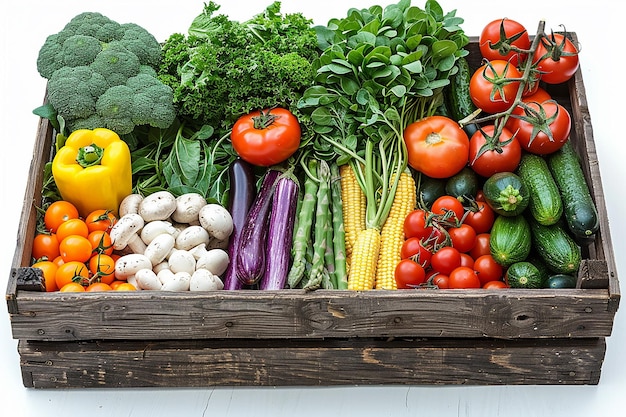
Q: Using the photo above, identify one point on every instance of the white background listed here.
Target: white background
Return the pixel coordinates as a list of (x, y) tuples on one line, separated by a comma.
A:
[(25, 25)]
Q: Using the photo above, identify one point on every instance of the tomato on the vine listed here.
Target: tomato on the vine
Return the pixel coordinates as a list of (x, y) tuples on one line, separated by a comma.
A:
[(416, 224), (446, 259), (100, 220), (450, 206), (101, 242), (504, 39), (556, 57), (490, 154), (540, 95), (265, 138), (436, 146), (416, 249), (102, 268), (72, 271), (542, 128), (493, 86), (463, 237), (463, 277), (480, 216), (440, 280), (409, 274)]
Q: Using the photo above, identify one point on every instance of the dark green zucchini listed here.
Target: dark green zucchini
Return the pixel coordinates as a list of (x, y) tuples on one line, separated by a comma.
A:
[(523, 275), (463, 185), (506, 193), (580, 211), (510, 240), (458, 99), (545, 200), (560, 281), (556, 247), (429, 189)]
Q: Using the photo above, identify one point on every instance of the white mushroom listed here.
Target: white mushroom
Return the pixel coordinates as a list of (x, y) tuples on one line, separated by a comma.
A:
[(125, 233), (182, 261), (191, 237), (199, 250), (216, 220), (187, 208), (161, 266), (204, 280), (128, 265), (159, 248), (130, 204), (177, 282), (157, 227), (215, 260), (147, 280), (157, 206)]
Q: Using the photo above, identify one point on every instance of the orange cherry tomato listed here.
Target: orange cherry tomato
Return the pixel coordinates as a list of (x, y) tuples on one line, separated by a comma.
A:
[(101, 242), (75, 248), (72, 287), (58, 212), (125, 286), (72, 271), (100, 220), (49, 270), (102, 268), (98, 286), (72, 227), (45, 246)]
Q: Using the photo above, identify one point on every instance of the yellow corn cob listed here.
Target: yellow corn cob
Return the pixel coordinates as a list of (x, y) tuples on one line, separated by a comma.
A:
[(392, 233), (353, 200), (364, 259)]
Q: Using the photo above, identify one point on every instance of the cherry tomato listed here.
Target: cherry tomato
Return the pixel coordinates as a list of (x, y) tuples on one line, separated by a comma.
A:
[(415, 224), (125, 286), (500, 38), (58, 212), (539, 96), (441, 281), (416, 249), (75, 248), (72, 271), (495, 284), (102, 268), (488, 269), (72, 227), (463, 237), (72, 287), (409, 274), (480, 216), (266, 138), (446, 259), (448, 204), (100, 220), (100, 242), (436, 146), (541, 128), (481, 247), (493, 86), (98, 286), (45, 246), (49, 270), (556, 57), (489, 154), (463, 277), (467, 260)]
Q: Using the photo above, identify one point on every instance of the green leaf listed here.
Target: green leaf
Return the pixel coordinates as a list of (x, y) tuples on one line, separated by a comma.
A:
[(349, 85), (362, 38), (321, 116), (398, 90), (414, 67), (443, 48)]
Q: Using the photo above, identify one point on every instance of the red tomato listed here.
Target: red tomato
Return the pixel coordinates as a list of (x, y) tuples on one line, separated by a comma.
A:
[(488, 269), (416, 249), (541, 128), (502, 39), (415, 224), (448, 204), (495, 284), (480, 216), (463, 277), (445, 260), (539, 96), (467, 260), (557, 58), (409, 274), (489, 154), (441, 281), (481, 247), (463, 237), (494, 85), (266, 138), (436, 146)]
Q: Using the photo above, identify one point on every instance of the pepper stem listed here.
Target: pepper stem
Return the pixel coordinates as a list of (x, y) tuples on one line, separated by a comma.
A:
[(89, 155)]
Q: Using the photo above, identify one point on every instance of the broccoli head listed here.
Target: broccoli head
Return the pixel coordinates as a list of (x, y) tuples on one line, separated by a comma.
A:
[(104, 74)]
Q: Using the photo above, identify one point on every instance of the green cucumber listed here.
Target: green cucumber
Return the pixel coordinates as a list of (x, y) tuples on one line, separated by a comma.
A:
[(556, 247), (506, 193), (560, 281), (463, 185), (580, 211), (545, 203), (510, 240), (523, 275), (457, 96)]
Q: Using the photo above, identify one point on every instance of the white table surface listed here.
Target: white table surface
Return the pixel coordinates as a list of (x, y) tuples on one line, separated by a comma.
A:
[(25, 25)]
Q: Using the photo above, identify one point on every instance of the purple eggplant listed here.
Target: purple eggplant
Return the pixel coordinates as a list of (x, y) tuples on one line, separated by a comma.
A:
[(250, 264), (280, 234), (241, 195)]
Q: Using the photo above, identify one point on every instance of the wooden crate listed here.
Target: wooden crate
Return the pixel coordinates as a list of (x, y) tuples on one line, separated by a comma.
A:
[(298, 338)]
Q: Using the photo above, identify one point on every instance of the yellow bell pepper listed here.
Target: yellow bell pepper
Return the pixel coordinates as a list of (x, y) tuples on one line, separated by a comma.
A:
[(92, 170)]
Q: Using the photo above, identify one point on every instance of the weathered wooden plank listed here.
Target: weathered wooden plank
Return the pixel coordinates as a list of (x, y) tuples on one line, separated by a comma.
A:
[(297, 314), (310, 363)]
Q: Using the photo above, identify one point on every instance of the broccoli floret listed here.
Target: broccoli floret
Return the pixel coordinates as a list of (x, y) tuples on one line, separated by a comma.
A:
[(104, 74), (73, 91)]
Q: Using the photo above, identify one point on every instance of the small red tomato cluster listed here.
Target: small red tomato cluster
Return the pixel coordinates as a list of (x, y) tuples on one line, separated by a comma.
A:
[(447, 246)]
